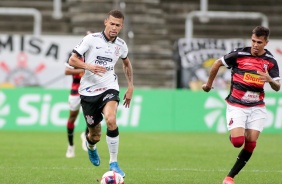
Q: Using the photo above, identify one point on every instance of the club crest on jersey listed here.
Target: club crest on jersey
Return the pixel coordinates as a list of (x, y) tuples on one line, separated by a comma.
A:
[(265, 66), (230, 122), (252, 78), (117, 51), (89, 119)]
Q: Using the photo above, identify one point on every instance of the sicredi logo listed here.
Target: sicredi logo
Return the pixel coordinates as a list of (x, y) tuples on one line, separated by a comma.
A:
[(4, 109), (38, 108), (43, 110)]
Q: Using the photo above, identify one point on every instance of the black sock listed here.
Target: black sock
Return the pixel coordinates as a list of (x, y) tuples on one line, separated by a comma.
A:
[(113, 133), (242, 159), (90, 142), (70, 136)]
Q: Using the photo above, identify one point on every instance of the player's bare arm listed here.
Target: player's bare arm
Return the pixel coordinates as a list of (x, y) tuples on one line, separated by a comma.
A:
[(275, 85), (264, 77), (76, 62), (127, 68), (215, 67), (69, 71)]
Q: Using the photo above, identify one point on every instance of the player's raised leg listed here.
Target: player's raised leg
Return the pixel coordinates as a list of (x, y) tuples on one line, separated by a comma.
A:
[(92, 138)]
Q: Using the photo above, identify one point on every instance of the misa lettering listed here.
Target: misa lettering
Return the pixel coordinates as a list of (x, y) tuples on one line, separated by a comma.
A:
[(31, 45)]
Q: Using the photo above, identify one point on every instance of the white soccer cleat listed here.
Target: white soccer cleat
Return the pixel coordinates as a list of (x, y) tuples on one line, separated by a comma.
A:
[(83, 139), (70, 152)]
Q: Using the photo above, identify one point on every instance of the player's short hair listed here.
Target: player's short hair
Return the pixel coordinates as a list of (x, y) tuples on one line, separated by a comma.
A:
[(116, 13), (261, 31)]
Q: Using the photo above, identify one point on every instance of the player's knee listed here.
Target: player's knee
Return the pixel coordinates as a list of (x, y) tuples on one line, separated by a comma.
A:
[(95, 139), (72, 119), (238, 141), (111, 121), (250, 146)]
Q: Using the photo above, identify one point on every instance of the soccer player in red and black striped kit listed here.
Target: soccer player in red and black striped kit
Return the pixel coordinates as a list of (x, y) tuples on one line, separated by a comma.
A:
[(74, 105), (251, 67)]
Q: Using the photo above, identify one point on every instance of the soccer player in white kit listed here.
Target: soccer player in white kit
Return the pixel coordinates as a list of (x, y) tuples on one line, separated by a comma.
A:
[(99, 88)]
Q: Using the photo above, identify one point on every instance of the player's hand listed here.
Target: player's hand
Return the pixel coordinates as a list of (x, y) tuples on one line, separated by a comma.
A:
[(264, 76), (96, 69), (127, 97), (206, 88)]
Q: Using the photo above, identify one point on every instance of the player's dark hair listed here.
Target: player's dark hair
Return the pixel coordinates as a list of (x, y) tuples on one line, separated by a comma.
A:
[(261, 31), (116, 13)]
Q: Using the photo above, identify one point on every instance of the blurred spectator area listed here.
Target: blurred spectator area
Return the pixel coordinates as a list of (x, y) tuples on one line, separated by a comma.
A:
[(155, 24)]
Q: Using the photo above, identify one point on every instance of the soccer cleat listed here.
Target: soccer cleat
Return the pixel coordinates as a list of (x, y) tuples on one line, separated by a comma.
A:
[(70, 152), (114, 167), (228, 180), (83, 139), (93, 156)]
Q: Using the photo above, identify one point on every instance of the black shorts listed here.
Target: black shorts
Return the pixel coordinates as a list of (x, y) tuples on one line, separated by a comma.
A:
[(92, 106)]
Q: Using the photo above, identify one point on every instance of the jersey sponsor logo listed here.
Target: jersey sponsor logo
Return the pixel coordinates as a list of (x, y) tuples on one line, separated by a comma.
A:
[(105, 58), (103, 61), (252, 78), (109, 68), (251, 97), (100, 89), (91, 89), (244, 53), (97, 35)]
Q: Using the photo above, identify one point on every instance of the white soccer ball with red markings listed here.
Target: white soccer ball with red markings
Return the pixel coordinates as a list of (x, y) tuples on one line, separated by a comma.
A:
[(112, 177)]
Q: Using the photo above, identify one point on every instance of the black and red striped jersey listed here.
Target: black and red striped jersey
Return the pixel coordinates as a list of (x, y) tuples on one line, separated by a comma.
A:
[(246, 88), (75, 80), (75, 83)]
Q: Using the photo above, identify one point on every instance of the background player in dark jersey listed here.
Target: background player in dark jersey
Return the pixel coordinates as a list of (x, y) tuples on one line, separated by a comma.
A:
[(74, 104), (251, 68)]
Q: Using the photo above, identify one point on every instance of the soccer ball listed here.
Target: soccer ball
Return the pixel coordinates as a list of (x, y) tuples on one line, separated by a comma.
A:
[(112, 177)]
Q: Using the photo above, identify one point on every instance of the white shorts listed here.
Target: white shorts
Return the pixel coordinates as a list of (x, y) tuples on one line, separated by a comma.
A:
[(74, 102), (248, 118)]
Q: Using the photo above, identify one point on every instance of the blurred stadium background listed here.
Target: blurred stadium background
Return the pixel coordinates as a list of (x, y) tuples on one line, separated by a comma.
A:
[(151, 27), (172, 44)]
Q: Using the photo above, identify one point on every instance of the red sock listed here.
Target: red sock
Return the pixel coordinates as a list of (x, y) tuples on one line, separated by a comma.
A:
[(70, 125), (250, 146), (238, 141)]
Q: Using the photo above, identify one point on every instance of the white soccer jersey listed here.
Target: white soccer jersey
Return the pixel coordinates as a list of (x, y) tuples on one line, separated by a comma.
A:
[(97, 49)]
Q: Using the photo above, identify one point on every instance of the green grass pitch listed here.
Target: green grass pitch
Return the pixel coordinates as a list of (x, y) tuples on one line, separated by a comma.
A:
[(146, 158)]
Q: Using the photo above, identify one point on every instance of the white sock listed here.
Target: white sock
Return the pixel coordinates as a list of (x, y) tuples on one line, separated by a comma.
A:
[(91, 146), (113, 143)]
